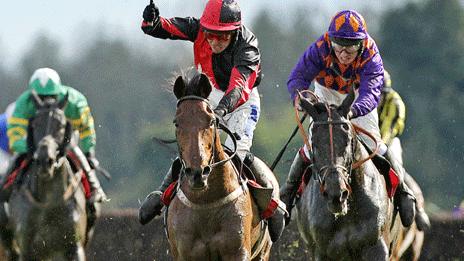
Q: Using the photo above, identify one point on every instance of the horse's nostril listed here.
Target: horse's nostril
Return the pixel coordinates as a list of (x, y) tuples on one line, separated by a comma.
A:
[(325, 194)]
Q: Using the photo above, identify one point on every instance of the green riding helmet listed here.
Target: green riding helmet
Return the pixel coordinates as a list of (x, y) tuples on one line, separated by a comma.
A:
[(45, 81)]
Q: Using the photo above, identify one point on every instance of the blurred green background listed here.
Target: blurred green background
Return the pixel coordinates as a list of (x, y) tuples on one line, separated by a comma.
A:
[(127, 85)]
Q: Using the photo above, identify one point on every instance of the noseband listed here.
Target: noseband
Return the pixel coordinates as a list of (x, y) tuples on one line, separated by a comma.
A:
[(217, 125), (322, 172), (231, 196)]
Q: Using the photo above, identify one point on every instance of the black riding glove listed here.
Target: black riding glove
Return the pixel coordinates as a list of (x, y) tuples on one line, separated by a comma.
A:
[(219, 113), (151, 13)]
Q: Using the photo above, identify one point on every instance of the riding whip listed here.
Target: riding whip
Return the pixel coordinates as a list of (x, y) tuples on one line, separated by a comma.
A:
[(279, 156)]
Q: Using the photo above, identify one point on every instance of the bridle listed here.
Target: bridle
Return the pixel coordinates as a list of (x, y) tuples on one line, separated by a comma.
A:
[(217, 125), (242, 188), (60, 157), (323, 171)]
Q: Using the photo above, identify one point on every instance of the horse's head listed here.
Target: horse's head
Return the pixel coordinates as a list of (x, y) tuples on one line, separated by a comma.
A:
[(332, 150), (196, 131), (48, 131)]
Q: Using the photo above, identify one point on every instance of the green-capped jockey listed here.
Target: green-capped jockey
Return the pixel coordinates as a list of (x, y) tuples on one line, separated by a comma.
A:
[(46, 81)]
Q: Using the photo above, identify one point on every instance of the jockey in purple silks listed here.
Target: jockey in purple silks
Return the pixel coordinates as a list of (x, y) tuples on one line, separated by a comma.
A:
[(343, 58)]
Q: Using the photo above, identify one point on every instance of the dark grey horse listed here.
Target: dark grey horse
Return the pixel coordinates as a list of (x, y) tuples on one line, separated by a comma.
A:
[(344, 213), (48, 210)]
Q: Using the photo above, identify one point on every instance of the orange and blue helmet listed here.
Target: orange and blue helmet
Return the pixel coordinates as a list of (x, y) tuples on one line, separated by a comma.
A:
[(348, 24), (221, 15)]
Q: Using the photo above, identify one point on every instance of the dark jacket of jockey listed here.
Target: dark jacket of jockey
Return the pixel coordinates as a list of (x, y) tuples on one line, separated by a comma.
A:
[(235, 71)]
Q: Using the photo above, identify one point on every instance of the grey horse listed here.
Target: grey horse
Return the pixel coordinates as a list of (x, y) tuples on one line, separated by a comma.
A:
[(48, 211), (344, 213)]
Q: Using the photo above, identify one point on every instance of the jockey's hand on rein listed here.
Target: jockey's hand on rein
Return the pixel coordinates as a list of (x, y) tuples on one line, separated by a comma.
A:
[(219, 114)]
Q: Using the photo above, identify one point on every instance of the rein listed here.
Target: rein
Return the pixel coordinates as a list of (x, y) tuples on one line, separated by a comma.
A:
[(241, 189), (217, 125), (358, 129), (324, 170), (74, 184), (70, 190)]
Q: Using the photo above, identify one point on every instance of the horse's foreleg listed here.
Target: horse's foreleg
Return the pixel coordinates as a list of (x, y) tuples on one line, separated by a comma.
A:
[(75, 253), (6, 236), (379, 251)]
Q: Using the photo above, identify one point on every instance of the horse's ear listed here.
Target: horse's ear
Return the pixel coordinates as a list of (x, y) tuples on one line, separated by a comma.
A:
[(205, 86), (179, 87), (64, 101), (307, 106), (36, 99), (345, 107)]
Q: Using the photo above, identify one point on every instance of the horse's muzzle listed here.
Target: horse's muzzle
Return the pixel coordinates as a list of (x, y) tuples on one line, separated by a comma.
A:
[(197, 178)]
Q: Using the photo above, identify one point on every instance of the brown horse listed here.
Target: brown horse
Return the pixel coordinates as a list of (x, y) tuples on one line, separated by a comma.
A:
[(213, 216), (345, 213)]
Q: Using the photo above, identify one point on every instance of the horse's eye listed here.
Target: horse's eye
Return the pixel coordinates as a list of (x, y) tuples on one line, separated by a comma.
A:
[(212, 122), (345, 126), (175, 123)]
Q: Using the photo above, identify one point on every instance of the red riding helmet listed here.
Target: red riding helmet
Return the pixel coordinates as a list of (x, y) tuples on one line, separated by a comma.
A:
[(348, 24), (221, 15)]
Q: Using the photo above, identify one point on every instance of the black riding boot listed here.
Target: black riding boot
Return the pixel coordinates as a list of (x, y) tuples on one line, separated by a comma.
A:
[(290, 188), (422, 219), (152, 205), (276, 222), (404, 197)]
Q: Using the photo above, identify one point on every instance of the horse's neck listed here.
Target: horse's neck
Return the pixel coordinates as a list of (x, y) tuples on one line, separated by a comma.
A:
[(366, 169)]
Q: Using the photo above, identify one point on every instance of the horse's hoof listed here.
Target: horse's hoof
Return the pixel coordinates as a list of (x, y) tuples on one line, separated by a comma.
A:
[(422, 220), (151, 207)]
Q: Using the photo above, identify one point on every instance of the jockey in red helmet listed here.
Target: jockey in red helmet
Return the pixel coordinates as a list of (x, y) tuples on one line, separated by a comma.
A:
[(227, 52), (221, 16)]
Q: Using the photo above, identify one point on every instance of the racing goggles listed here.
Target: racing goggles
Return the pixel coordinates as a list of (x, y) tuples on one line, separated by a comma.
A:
[(350, 49), (218, 36)]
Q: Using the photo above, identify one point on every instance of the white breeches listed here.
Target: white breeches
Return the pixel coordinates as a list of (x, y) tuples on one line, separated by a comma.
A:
[(242, 120), (396, 149)]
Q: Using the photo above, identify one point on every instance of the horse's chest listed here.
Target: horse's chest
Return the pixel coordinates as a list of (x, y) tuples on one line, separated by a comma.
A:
[(200, 231), (346, 234)]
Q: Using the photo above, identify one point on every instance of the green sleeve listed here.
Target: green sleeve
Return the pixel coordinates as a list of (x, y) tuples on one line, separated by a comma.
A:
[(18, 123), (78, 112)]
